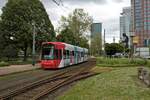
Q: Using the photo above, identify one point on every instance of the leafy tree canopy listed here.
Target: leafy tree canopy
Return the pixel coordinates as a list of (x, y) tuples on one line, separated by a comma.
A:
[(17, 22), (77, 24), (66, 36)]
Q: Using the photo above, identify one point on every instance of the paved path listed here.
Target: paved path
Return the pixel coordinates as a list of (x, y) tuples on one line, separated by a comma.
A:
[(17, 68)]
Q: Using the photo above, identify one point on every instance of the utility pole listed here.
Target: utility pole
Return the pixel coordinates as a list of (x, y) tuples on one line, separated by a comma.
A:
[(114, 39), (104, 43), (33, 46)]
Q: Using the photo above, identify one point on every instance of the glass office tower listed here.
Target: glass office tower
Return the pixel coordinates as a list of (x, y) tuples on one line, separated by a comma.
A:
[(141, 21)]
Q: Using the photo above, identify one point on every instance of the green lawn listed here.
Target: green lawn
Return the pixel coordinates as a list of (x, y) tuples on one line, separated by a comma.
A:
[(17, 62), (119, 84), (120, 62)]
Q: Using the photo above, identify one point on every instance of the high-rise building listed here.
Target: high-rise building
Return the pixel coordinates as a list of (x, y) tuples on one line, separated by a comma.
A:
[(125, 23), (96, 28), (141, 21)]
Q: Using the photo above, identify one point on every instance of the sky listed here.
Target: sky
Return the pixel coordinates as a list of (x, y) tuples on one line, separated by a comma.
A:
[(105, 11)]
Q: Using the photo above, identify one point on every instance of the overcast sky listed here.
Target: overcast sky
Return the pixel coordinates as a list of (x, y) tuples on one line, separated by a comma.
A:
[(105, 11)]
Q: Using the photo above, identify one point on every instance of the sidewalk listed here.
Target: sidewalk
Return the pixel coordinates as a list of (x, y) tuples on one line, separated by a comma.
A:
[(17, 68)]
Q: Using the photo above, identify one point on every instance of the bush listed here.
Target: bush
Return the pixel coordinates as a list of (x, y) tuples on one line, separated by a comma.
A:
[(113, 48), (148, 63), (2, 63)]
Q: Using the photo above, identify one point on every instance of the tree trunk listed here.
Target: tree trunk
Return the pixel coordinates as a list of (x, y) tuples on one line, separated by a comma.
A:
[(25, 51), (8, 58)]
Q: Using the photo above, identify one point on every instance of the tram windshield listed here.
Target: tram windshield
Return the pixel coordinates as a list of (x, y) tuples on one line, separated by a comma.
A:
[(47, 52)]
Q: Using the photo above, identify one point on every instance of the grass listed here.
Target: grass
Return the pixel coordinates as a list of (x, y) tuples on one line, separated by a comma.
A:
[(119, 62), (20, 62), (119, 84), (17, 62)]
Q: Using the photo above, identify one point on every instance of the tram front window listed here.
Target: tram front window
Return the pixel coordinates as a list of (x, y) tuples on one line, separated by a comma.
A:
[(47, 52)]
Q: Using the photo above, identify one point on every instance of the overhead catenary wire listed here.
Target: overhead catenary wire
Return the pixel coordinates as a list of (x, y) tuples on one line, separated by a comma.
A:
[(56, 2), (60, 4)]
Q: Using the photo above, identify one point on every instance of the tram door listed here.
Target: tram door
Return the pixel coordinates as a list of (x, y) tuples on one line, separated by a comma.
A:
[(58, 56)]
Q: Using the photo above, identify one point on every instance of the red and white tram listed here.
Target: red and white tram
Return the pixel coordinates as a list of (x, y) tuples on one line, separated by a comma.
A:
[(58, 55)]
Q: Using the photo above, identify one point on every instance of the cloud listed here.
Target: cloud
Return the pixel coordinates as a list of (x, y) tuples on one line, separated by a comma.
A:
[(111, 27), (73, 2), (2, 4), (112, 24), (100, 10), (118, 1), (85, 1)]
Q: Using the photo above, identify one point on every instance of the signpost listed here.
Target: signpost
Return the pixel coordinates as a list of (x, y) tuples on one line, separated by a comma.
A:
[(135, 39)]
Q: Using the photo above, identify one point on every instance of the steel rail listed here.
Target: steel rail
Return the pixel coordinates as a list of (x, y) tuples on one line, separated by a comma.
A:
[(29, 86), (74, 77), (56, 76)]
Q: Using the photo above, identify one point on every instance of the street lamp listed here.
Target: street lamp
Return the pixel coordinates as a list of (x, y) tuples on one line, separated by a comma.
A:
[(33, 45)]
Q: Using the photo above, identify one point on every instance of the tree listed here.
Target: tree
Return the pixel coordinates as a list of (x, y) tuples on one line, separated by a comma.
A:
[(17, 22), (66, 35), (96, 45), (3, 43), (10, 51), (113, 48), (78, 23), (84, 42)]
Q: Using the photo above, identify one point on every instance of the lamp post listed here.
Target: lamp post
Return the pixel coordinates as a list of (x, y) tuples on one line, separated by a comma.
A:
[(33, 45)]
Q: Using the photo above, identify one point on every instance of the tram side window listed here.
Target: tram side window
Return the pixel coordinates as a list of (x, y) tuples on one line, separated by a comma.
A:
[(68, 55), (56, 54), (72, 53), (82, 55), (64, 54), (60, 54), (85, 54), (78, 53)]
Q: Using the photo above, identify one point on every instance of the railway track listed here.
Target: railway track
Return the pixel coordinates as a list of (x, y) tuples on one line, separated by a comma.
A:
[(22, 79), (43, 87)]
